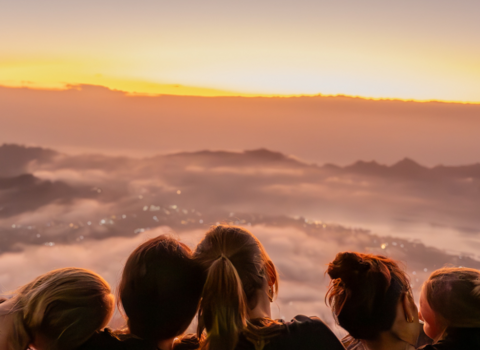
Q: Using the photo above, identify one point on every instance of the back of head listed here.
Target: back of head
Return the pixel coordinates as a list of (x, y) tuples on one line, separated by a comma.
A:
[(454, 294), (364, 292), (160, 289), (63, 308), (236, 267)]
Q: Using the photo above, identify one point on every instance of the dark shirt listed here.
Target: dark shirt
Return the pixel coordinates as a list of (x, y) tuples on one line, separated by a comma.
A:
[(351, 343), (106, 340), (302, 333), (458, 339)]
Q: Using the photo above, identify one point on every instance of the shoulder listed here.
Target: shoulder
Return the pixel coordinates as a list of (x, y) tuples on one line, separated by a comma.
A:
[(187, 342), (311, 333), (307, 322), (304, 323), (351, 343), (102, 340)]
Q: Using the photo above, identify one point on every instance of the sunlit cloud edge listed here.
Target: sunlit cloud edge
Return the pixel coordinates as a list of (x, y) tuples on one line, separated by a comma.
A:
[(148, 89)]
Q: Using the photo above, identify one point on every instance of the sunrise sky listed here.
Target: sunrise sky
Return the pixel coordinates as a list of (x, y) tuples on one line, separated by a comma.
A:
[(420, 50)]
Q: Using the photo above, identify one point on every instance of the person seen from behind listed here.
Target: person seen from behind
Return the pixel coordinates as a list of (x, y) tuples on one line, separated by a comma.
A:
[(371, 298), (450, 308), (241, 282), (159, 293), (59, 310)]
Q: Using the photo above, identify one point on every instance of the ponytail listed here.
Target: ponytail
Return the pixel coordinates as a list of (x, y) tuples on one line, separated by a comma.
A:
[(236, 267), (223, 310)]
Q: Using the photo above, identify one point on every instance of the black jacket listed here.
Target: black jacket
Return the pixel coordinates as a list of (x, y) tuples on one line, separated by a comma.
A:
[(302, 333), (458, 339)]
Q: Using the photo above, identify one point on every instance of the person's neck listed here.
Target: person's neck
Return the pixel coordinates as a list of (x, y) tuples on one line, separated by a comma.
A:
[(166, 344), (262, 309), (386, 341)]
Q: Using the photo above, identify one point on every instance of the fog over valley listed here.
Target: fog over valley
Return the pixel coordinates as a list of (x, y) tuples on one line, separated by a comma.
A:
[(92, 210)]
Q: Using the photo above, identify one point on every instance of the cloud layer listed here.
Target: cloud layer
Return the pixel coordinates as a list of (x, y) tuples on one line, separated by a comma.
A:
[(300, 250), (321, 129), (69, 198)]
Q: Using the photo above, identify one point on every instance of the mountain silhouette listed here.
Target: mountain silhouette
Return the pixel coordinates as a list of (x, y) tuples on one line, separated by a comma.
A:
[(26, 193), (17, 159), (408, 168), (14, 159), (367, 168)]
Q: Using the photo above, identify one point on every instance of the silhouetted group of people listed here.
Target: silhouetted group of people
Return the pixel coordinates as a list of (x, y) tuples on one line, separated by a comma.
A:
[(229, 281)]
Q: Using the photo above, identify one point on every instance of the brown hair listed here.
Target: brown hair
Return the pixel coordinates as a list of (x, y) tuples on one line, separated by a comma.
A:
[(160, 289), (454, 294), (236, 267), (364, 292), (65, 306)]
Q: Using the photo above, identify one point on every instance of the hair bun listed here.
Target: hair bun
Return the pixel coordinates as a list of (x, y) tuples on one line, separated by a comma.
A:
[(349, 267)]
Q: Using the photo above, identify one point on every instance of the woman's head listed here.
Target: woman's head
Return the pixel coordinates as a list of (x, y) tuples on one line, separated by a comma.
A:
[(160, 289), (366, 293), (60, 310), (237, 268), (450, 298)]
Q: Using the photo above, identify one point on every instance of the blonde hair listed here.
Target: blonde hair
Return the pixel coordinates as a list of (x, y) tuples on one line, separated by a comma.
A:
[(236, 266), (65, 307), (454, 294)]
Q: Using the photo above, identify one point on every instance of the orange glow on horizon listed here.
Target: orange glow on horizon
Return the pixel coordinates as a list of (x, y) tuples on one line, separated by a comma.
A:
[(268, 49), (59, 74), (40, 75), (139, 88)]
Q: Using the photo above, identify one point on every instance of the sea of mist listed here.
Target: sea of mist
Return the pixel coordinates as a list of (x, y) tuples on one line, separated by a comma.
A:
[(92, 210)]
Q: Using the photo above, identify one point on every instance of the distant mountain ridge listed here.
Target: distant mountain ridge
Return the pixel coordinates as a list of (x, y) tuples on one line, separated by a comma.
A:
[(15, 159), (409, 168)]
